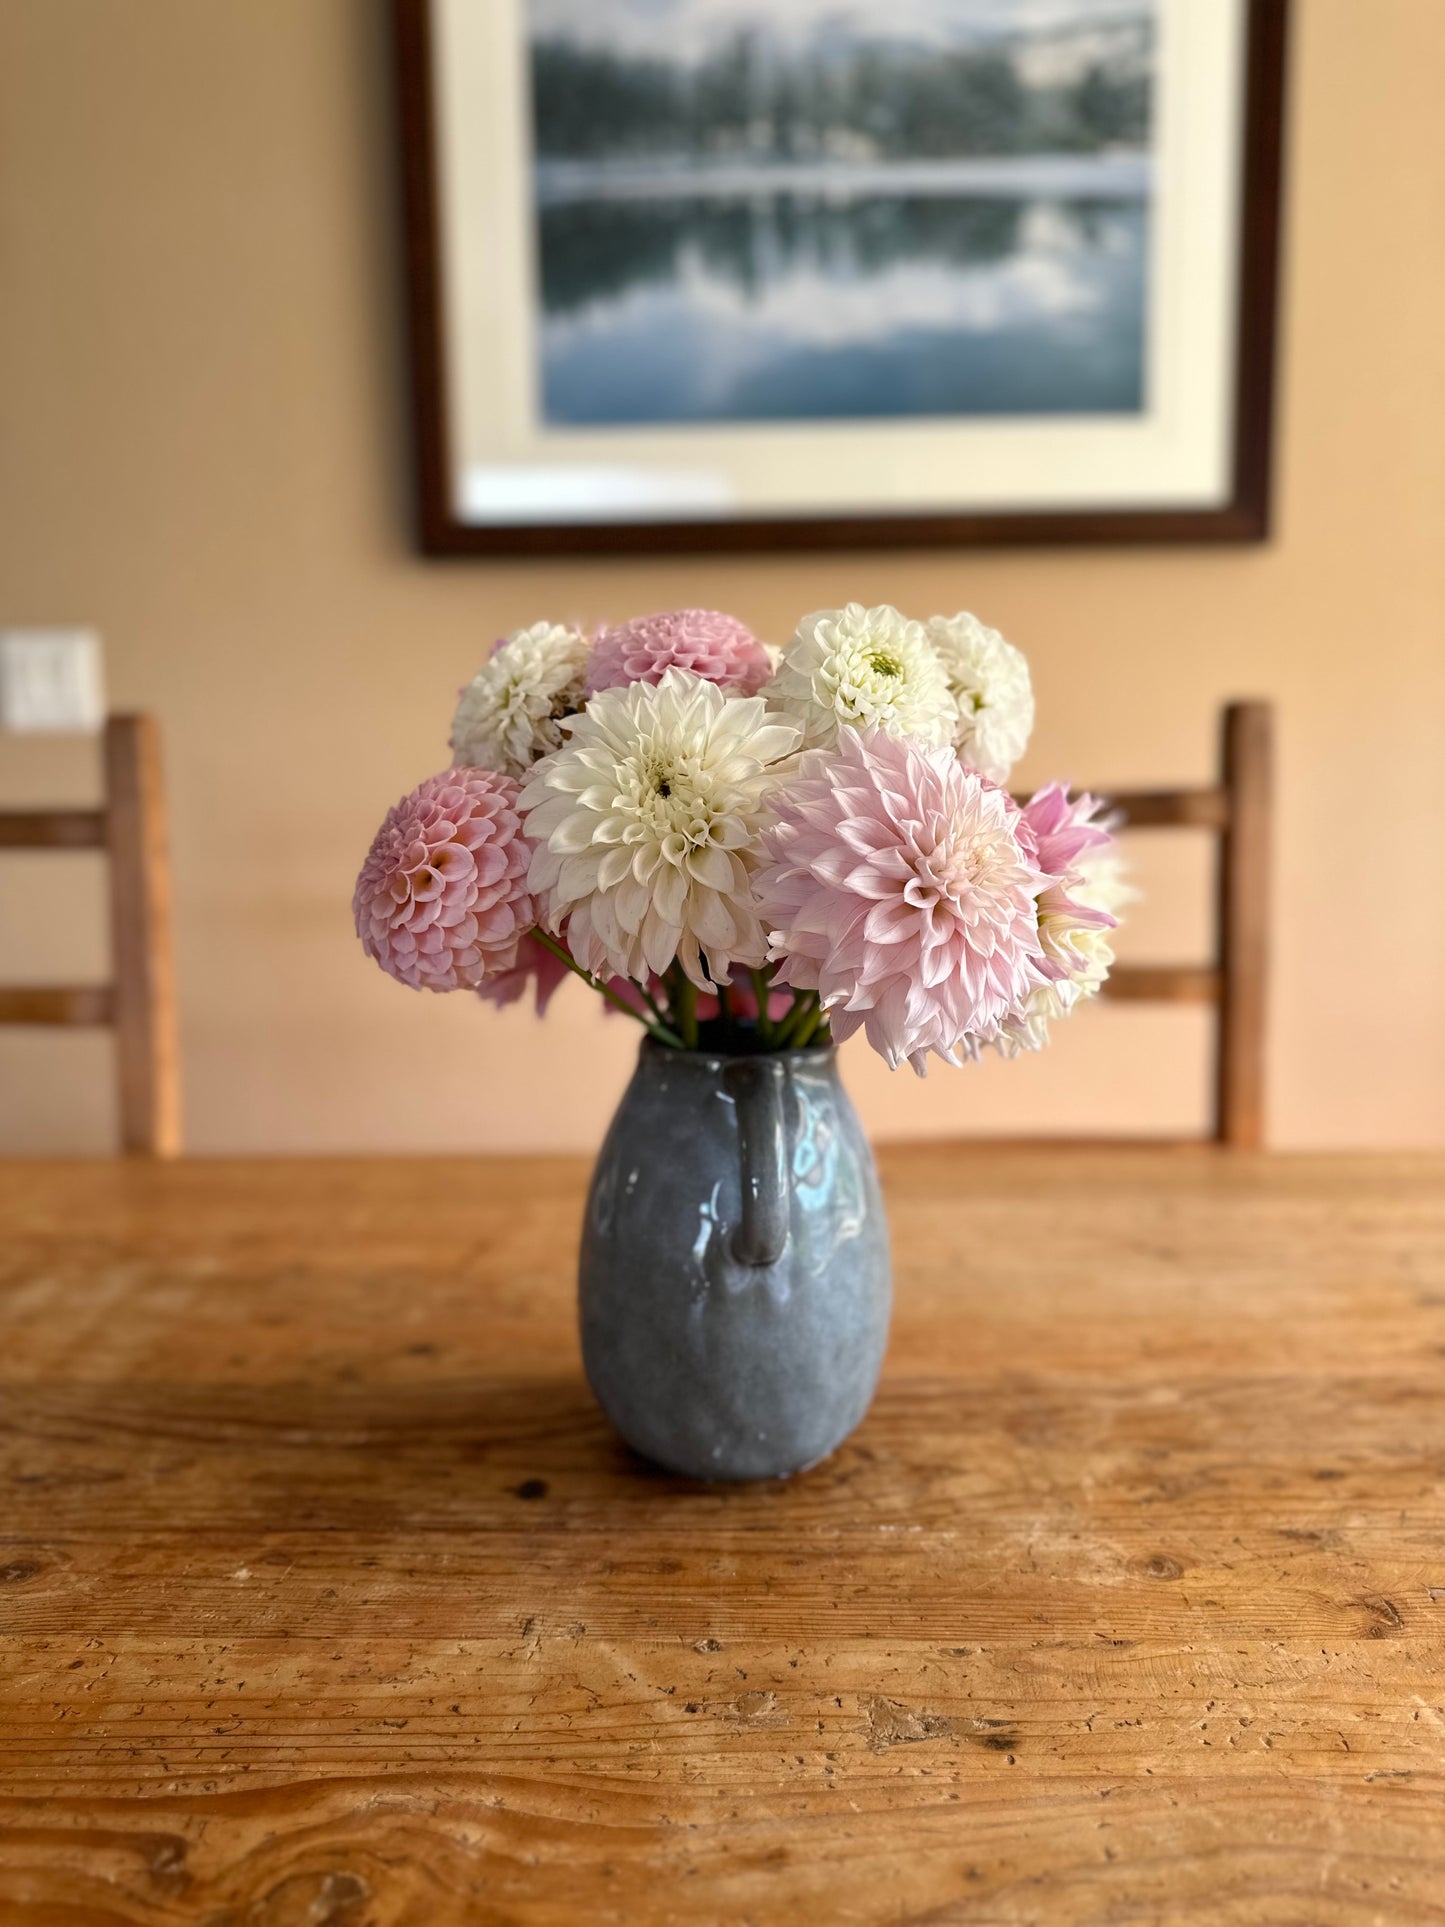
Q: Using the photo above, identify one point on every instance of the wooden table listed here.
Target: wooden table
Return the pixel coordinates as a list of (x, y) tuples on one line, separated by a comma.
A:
[(327, 1597)]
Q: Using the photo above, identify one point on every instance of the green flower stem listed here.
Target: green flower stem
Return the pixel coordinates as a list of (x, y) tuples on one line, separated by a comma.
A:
[(760, 991), (791, 1027), (671, 978), (809, 1028), (685, 1009), (658, 1030), (651, 1002)]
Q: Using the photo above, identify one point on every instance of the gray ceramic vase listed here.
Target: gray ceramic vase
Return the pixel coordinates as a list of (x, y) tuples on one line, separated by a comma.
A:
[(735, 1278)]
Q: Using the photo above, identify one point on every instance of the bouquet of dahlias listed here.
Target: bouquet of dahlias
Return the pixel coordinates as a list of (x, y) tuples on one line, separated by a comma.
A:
[(748, 849)]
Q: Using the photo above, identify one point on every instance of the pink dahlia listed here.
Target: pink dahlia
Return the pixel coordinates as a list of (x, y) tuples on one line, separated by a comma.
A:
[(1064, 829), (712, 645), (442, 902), (1067, 838), (896, 883)]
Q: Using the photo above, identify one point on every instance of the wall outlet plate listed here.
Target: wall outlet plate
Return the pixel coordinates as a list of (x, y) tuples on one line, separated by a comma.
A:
[(51, 679)]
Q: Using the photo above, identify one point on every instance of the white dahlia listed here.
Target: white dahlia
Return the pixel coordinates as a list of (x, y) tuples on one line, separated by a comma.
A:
[(646, 823), (868, 668), (988, 680), (509, 713)]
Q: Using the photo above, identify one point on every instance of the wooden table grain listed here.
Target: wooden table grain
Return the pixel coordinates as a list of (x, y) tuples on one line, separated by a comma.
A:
[(327, 1597)]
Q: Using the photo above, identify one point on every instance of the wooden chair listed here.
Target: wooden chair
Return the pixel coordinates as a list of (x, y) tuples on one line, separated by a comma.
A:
[(1237, 808), (139, 1002)]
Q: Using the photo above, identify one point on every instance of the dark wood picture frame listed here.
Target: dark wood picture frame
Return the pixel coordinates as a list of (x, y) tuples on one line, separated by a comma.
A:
[(1245, 517)]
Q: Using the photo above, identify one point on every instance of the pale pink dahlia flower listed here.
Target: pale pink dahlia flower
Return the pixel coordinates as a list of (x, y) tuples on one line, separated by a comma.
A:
[(895, 882), (1076, 913), (712, 645), (1064, 827), (1063, 833), (442, 900), (537, 969)]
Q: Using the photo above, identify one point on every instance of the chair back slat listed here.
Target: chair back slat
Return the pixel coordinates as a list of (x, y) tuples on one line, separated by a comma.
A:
[(65, 1004), (52, 829), (1237, 809), (139, 1003), (1164, 984), (1172, 809)]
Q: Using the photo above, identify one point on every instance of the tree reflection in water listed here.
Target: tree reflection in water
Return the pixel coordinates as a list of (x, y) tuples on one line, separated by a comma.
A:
[(785, 303), (593, 250)]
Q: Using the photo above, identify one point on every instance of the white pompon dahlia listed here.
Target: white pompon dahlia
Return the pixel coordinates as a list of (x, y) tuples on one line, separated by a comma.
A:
[(988, 680), (897, 884), (868, 668), (509, 713), (645, 826)]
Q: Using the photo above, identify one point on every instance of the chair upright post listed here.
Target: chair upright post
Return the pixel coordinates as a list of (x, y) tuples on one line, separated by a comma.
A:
[(1247, 775), (147, 1049)]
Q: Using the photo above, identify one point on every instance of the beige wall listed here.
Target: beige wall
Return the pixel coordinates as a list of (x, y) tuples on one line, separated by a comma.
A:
[(204, 454)]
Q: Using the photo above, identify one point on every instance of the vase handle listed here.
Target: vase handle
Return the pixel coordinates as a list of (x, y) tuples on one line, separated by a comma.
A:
[(755, 1085)]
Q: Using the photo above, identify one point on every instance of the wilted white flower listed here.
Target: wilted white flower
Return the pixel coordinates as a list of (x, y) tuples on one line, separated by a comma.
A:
[(993, 698), (510, 711), (869, 668), (645, 826), (1028, 1027)]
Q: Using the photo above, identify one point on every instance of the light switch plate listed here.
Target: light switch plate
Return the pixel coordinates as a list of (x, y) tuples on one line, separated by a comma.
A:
[(51, 679)]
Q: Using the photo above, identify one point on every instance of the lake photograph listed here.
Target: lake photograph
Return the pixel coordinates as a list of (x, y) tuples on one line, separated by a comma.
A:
[(840, 209)]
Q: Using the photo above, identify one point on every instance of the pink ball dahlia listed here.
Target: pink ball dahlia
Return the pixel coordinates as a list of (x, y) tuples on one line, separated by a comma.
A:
[(712, 645), (442, 902), (895, 883)]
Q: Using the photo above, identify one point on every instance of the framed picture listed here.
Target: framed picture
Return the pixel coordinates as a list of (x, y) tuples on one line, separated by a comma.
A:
[(727, 274)]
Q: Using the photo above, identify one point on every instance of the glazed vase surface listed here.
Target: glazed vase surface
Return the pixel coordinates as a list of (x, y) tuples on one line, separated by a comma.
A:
[(735, 1283)]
